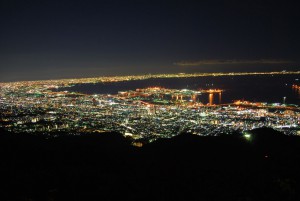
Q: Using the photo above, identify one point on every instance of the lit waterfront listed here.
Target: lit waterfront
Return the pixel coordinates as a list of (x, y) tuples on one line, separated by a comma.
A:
[(143, 114), (103, 79)]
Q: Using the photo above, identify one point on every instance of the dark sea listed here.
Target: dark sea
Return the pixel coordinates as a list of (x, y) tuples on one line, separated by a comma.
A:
[(256, 88)]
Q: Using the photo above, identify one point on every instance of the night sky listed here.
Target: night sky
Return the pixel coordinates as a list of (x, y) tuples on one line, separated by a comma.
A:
[(64, 39)]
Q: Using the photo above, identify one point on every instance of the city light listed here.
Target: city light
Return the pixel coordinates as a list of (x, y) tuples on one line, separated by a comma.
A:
[(140, 114), (247, 136)]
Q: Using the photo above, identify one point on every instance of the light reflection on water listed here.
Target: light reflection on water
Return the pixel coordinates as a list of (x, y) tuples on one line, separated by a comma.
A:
[(261, 88)]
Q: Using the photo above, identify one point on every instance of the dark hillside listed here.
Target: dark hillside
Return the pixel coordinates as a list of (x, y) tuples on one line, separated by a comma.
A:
[(263, 166)]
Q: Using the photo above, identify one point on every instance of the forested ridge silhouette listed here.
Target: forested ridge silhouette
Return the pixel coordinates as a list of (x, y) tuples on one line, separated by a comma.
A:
[(186, 167)]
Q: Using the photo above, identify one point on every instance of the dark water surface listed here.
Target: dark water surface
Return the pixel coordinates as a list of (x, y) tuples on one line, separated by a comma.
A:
[(259, 88)]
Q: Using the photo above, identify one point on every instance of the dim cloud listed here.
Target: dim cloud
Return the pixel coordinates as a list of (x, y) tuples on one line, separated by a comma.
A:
[(225, 62)]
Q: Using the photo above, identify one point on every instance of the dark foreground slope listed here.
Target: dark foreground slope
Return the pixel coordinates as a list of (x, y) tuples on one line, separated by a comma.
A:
[(186, 167)]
